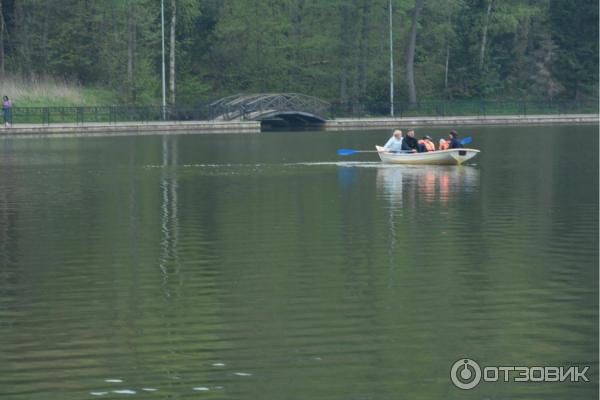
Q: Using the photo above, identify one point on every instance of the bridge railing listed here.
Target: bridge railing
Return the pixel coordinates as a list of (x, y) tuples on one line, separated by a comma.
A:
[(250, 106)]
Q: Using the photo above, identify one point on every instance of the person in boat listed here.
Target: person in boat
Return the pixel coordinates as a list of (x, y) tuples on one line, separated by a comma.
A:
[(410, 144), (444, 144), (394, 144), (454, 142), (425, 144)]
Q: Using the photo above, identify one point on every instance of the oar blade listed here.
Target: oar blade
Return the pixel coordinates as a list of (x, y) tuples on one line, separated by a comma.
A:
[(346, 152)]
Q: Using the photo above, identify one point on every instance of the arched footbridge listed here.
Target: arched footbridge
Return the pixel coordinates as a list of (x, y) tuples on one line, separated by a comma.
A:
[(287, 108)]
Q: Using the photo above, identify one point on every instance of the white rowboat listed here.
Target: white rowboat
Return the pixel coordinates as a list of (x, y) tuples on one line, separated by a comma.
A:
[(438, 157)]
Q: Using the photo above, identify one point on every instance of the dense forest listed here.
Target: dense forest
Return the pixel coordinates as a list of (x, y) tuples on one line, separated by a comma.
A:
[(334, 49)]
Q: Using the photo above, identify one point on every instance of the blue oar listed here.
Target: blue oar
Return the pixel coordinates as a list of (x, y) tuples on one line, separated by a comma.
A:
[(466, 140), (349, 152)]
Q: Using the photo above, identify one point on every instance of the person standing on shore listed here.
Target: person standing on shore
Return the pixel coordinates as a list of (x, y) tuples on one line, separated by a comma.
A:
[(7, 111)]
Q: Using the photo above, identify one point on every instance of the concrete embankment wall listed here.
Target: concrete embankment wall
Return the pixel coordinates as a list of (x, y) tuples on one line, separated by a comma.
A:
[(223, 127), (132, 128), (395, 123)]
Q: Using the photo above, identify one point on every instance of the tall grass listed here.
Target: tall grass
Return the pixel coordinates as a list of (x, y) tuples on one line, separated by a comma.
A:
[(44, 91)]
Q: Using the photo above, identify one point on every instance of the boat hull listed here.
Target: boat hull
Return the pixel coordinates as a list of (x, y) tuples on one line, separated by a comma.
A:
[(438, 157)]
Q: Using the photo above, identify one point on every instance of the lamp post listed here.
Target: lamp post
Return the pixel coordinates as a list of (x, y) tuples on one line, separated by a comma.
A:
[(164, 90), (391, 65)]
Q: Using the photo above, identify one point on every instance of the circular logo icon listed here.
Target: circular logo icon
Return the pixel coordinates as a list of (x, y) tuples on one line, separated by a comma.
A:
[(465, 373)]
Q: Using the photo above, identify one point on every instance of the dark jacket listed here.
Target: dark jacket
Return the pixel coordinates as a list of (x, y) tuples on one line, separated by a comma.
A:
[(409, 143), (455, 144)]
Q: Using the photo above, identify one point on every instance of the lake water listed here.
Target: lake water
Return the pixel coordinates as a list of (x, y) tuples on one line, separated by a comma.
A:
[(265, 266)]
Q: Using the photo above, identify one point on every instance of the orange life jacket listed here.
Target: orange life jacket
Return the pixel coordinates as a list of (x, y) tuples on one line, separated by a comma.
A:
[(444, 144), (429, 146)]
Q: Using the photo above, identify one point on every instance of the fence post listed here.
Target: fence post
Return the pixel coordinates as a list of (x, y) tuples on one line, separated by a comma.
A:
[(80, 115), (46, 116)]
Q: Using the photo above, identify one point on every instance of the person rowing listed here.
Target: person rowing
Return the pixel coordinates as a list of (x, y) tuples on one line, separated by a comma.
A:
[(394, 144), (454, 142)]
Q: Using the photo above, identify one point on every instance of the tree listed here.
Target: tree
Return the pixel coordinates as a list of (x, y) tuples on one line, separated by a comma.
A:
[(410, 54), (334, 49), (574, 30)]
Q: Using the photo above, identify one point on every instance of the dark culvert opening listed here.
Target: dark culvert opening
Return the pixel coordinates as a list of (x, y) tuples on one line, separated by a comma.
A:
[(291, 122)]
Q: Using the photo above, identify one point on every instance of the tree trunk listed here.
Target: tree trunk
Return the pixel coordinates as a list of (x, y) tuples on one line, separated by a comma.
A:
[(1, 41), (112, 35), (485, 31), (410, 58), (447, 56), (19, 40), (364, 48), (344, 54), (172, 50), (45, 37), (446, 69), (297, 35), (130, 52)]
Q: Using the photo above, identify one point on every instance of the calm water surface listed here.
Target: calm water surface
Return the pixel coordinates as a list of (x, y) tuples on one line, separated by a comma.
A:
[(267, 267)]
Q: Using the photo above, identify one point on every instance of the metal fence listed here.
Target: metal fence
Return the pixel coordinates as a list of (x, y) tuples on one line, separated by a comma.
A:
[(143, 114), (457, 108), (108, 114)]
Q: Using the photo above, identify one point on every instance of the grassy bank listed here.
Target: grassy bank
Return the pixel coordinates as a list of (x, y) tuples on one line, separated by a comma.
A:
[(50, 92)]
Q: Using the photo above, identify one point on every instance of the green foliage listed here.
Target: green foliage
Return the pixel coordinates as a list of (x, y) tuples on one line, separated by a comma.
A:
[(334, 49), (575, 33)]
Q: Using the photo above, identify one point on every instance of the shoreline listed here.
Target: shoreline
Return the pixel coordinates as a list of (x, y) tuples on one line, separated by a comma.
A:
[(236, 127), (94, 129), (380, 123)]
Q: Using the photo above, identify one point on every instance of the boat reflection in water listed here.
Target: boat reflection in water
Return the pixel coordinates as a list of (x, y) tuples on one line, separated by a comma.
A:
[(418, 185), (420, 195)]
